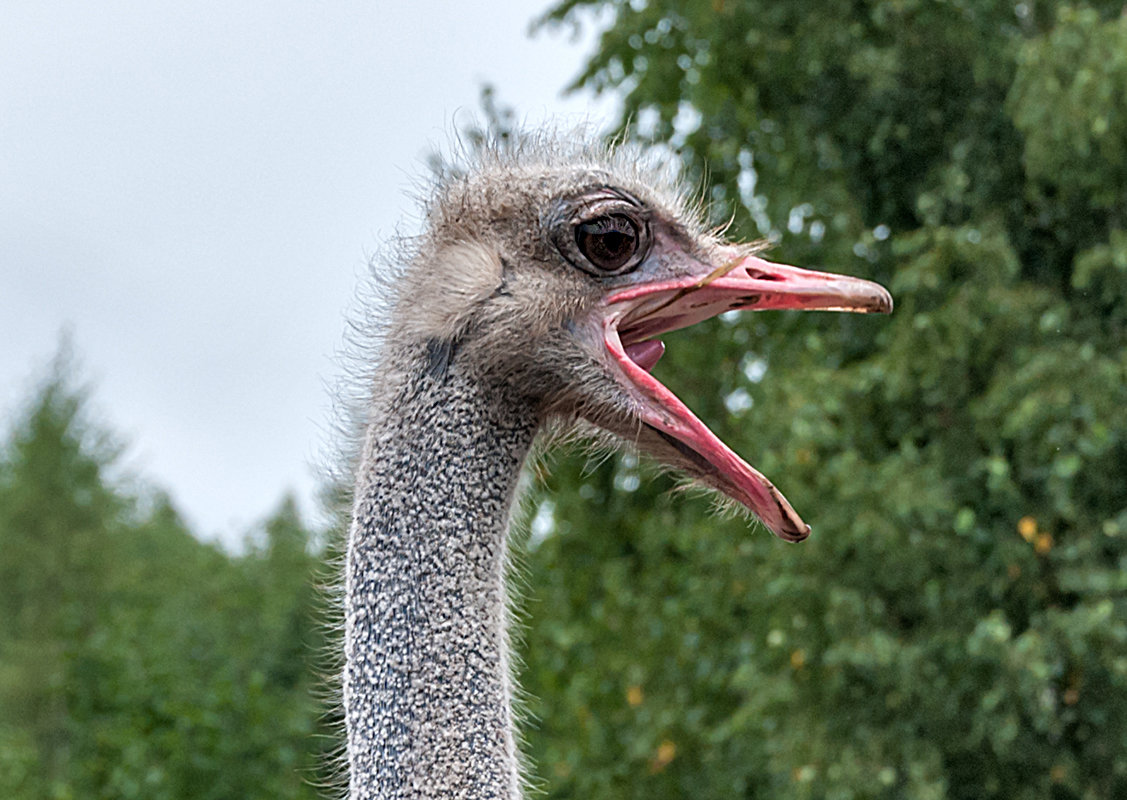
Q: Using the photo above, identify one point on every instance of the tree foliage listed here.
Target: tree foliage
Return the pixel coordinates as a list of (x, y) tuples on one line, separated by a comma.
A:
[(957, 625), (135, 660)]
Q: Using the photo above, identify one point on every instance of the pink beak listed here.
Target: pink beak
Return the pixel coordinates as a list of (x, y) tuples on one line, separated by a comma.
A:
[(646, 310)]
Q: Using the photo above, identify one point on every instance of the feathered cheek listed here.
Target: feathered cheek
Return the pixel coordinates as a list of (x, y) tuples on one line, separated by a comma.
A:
[(445, 298)]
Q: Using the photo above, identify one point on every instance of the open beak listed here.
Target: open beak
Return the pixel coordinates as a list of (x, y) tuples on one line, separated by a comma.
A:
[(637, 314)]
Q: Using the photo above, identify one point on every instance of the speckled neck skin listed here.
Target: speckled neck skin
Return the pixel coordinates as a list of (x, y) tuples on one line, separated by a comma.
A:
[(426, 684)]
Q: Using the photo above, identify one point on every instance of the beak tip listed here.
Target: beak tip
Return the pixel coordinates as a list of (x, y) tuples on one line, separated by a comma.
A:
[(794, 535), (885, 304), (877, 299)]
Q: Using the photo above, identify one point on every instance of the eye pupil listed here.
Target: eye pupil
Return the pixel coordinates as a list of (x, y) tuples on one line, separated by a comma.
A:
[(608, 242)]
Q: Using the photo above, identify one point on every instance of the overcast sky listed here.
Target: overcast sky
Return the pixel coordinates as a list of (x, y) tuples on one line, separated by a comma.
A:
[(193, 189)]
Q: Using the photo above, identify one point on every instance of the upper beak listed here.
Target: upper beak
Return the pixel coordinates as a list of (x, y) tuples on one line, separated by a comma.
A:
[(742, 282)]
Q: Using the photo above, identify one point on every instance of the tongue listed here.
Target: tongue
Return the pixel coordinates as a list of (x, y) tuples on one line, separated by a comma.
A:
[(645, 354)]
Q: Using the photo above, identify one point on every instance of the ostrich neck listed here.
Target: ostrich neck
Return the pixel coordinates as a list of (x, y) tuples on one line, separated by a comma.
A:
[(426, 681)]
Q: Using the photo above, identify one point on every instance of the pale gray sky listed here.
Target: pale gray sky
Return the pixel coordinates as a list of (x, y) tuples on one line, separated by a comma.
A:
[(193, 190)]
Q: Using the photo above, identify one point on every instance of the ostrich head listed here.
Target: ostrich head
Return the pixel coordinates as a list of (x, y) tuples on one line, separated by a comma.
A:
[(551, 277), (538, 291)]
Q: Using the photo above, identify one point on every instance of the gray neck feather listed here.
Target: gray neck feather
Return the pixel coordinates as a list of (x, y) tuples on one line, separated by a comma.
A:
[(426, 682)]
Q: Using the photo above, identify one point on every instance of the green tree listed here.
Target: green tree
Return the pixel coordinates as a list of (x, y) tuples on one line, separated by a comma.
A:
[(56, 511), (957, 626), (137, 661)]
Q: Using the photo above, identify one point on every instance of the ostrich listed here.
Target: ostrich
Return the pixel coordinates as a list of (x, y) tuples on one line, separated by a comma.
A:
[(535, 294)]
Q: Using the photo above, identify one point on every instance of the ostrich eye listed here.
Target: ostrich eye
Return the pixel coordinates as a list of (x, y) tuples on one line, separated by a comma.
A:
[(608, 242)]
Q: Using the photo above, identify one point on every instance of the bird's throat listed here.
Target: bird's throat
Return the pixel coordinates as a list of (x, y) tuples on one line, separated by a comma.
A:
[(426, 684)]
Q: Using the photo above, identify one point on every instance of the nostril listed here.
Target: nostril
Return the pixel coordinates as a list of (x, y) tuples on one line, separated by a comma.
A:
[(760, 275)]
